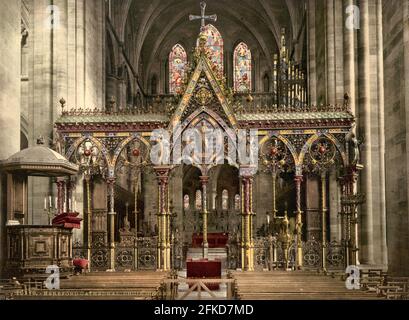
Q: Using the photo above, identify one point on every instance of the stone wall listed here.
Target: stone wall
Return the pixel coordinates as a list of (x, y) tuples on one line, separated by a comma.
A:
[(10, 35)]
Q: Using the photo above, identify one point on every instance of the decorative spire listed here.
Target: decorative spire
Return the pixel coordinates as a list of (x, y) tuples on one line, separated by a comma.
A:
[(62, 102)]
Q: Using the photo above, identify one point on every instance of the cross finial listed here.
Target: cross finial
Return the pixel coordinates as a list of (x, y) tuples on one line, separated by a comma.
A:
[(203, 16)]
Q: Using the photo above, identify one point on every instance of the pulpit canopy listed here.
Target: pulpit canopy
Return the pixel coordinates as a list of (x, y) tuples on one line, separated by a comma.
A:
[(39, 161)]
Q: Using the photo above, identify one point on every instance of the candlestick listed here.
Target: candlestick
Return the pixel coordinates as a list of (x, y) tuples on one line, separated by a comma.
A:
[(45, 203)]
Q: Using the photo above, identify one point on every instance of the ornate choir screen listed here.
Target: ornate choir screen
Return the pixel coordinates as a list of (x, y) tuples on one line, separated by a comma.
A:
[(123, 147), (113, 148)]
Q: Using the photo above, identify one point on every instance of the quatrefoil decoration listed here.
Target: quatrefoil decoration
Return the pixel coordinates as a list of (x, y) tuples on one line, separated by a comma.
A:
[(323, 152), (274, 152), (88, 156)]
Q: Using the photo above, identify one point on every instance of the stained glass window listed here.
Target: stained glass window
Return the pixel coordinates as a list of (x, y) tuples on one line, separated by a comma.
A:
[(177, 68), (186, 202), (215, 44), (242, 68), (237, 202), (225, 200), (198, 202)]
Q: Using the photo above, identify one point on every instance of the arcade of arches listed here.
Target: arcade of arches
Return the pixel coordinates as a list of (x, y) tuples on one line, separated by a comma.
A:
[(325, 110)]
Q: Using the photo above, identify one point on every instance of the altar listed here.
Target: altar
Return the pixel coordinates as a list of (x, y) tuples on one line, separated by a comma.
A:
[(215, 240)]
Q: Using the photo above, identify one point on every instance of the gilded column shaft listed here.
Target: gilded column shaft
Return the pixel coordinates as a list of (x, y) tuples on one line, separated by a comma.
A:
[(324, 218), (247, 243), (111, 189), (204, 181), (89, 219), (163, 219), (299, 261)]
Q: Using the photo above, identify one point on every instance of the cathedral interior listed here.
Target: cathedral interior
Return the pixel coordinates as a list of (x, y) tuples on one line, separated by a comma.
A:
[(255, 148)]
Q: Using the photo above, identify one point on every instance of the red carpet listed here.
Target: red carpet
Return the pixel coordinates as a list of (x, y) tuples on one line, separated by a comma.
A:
[(205, 269)]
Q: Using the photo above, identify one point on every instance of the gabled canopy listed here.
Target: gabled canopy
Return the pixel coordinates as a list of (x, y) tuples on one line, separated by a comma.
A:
[(204, 67)]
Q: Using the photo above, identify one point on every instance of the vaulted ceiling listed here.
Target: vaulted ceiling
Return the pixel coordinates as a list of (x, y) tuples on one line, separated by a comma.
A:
[(149, 28)]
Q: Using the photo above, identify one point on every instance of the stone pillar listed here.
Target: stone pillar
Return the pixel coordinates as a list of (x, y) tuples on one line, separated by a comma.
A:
[(204, 181), (299, 259), (111, 214), (330, 51), (349, 60), (10, 96), (381, 126), (367, 239), (163, 256), (339, 22), (66, 60), (121, 93), (247, 242), (312, 70)]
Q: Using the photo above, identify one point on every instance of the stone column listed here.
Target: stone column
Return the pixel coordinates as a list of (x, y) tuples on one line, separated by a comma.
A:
[(121, 93), (349, 60), (299, 259), (10, 81), (339, 22), (312, 70), (247, 242), (330, 51), (381, 126), (367, 239), (204, 181), (112, 214), (163, 257)]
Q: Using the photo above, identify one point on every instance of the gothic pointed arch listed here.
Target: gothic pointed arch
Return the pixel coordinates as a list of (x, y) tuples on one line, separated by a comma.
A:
[(177, 68), (242, 68)]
